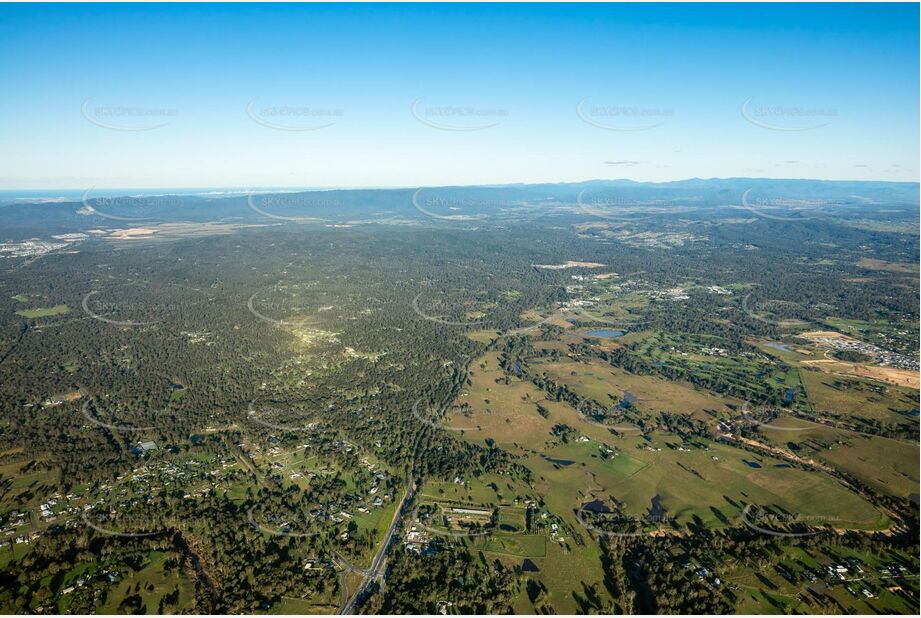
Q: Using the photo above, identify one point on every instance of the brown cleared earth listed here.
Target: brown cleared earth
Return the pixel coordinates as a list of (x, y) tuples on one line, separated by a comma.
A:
[(893, 267), (899, 377)]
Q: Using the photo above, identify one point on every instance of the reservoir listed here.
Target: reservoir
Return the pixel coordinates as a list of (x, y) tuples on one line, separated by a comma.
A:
[(606, 333)]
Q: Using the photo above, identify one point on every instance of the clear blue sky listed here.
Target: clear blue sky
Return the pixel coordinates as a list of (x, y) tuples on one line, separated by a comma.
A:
[(845, 76)]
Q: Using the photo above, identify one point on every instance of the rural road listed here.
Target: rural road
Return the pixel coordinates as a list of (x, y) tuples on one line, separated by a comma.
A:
[(372, 574)]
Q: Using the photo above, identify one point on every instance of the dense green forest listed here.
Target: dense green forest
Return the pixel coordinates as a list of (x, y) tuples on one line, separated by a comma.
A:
[(235, 415)]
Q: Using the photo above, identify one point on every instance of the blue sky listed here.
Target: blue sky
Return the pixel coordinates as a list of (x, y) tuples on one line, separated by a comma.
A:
[(427, 94)]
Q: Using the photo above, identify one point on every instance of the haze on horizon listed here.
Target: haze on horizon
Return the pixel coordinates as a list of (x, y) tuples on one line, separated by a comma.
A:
[(398, 96)]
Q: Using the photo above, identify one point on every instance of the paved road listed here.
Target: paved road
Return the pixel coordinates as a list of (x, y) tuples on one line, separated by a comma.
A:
[(374, 572), (347, 567)]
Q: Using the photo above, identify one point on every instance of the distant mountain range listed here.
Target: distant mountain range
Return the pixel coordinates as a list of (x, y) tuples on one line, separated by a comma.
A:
[(458, 204)]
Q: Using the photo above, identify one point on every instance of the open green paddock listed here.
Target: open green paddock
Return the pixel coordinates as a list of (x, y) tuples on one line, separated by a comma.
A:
[(524, 545)]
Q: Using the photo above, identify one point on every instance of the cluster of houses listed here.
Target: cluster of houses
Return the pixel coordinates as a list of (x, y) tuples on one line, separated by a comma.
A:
[(375, 495), (17, 529), (417, 540), (884, 357), (581, 298), (32, 247), (109, 576), (849, 573), (547, 520), (196, 477)]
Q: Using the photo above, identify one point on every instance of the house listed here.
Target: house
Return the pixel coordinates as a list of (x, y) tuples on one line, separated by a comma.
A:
[(144, 447)]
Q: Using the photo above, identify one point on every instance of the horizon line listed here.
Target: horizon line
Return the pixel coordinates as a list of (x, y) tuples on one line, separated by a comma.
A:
[(396, 187)]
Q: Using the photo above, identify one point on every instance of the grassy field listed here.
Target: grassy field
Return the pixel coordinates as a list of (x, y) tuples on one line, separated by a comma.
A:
[(858, 397), (28, 484), (877, 330), (752, 374), (612, 303), (290, 606), (152, 582), (709, 485), (43, 312), (9, 554), (482, 336), (566, 570), (895, 267), (378, 520), (509, 413), (487, 490), (525, 545), (890, 466), (600, 382), (694, 487), (832, 386)]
